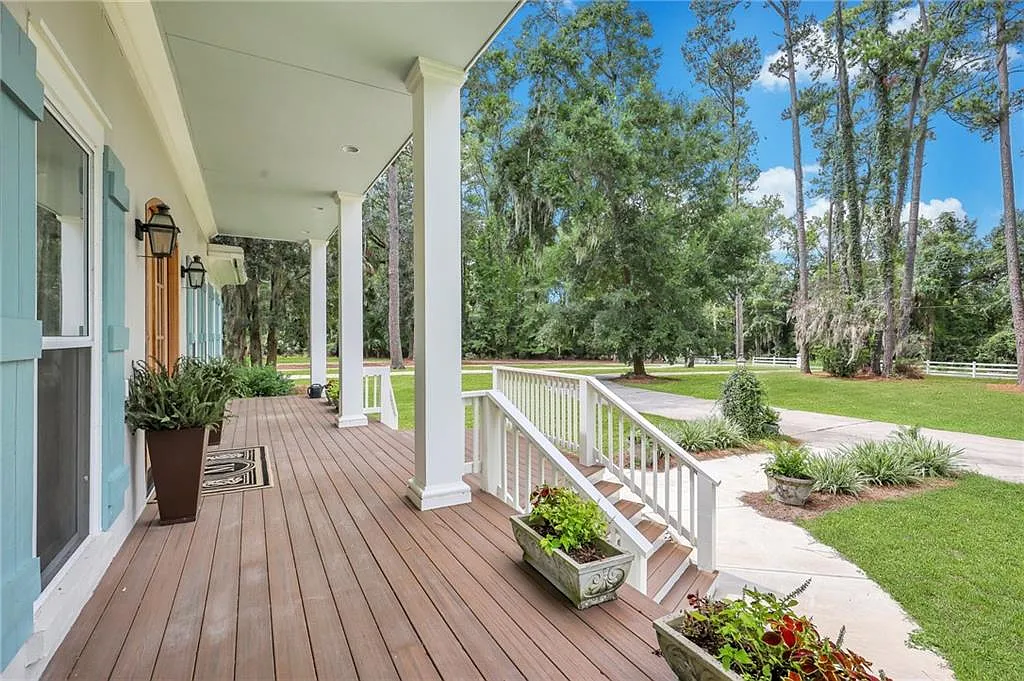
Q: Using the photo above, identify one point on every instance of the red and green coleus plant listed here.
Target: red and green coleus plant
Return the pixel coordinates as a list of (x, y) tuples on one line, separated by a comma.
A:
[(760, 638)]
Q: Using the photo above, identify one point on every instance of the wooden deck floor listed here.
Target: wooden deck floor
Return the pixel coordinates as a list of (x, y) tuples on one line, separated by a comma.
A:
[(332, 574)]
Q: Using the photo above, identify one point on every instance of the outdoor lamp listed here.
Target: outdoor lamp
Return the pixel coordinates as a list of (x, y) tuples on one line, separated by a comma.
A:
[(194, 274), (163, 234)]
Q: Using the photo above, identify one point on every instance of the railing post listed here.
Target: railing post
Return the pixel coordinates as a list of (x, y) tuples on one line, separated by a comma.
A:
[(496, 380), (974, 369), (706, 528), (490, 441), (588, 415)]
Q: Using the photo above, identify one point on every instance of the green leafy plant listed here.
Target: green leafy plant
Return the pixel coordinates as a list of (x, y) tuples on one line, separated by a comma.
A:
[(881, 463), (172, 399), (333, 389), (835, 474), (707, 434), (788, 461), (263, 382), (761, 638), (566, 521), (840, 360), (928, 458), (743, 403)]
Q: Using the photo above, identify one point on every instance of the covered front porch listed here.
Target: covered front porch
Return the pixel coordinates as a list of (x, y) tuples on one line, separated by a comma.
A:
[(332, 573)]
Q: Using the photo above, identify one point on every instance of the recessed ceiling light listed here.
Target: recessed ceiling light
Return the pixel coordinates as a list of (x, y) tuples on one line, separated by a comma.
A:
[(350, 149)]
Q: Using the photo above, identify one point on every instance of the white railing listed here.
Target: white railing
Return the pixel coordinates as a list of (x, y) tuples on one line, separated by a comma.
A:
[(378, 395), (512, 456), (970, 369), (587, 418), (776, 361)]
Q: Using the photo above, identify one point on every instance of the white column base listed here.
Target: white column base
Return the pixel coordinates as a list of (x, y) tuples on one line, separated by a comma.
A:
[(352, 421), (438, 496)]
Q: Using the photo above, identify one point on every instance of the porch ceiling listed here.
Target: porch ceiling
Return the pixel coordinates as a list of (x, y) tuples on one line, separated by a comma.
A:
[(273, 90)]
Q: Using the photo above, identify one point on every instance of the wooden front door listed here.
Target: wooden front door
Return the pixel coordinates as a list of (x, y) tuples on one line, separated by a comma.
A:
[(162, 309)]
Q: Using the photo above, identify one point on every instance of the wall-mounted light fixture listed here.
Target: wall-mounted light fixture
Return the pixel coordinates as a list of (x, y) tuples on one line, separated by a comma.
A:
[(194, 273), (159, 225)]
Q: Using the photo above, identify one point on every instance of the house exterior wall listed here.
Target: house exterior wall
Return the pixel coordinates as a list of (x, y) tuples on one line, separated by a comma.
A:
[(87, 43)]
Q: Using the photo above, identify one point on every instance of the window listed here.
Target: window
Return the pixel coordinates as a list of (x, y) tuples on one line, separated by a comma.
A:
[(62, 235)]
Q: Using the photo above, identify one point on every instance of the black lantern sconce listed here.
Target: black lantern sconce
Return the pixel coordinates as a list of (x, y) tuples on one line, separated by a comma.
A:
[(163, 233), (194, 274)]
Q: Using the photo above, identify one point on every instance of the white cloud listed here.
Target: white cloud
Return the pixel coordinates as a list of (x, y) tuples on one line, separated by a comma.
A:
[(936, 207), (769, 81), (779, 181), (904, 20)]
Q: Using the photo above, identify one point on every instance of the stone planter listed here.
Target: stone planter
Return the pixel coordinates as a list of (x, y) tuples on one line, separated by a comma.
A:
[(585, 584), (177, 458), (792, 491), (689, 661)]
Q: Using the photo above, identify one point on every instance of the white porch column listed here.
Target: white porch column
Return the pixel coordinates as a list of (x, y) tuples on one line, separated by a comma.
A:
[(440, 420), (350, 309), (318, 311)]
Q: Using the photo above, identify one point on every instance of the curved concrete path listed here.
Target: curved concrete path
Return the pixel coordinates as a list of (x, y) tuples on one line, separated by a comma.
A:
[(778, 556)]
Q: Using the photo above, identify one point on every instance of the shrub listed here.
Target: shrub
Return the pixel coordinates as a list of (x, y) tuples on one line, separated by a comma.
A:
[(707, 434), (162, 399), (761, 637), (262, 382), (333, 389), (928, 458), (881, 463), (840, 360), (788, 461), (743, 403), (566, 521), (908, 368), (835, 474)]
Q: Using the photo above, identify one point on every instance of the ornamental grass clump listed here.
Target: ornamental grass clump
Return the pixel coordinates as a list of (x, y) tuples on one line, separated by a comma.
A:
[(761, 638), (881, 463), (927, 457), (835, 474), (708, 434), (566, 521), (744, 403)]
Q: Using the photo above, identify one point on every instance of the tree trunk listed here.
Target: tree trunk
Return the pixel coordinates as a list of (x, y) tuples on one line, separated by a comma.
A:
[(255, 322), (885, 155), (394, 299), (739, 325), (854, 252), (907, 288), (1009, 200), (277, 297), (798, 176), (638, 365)]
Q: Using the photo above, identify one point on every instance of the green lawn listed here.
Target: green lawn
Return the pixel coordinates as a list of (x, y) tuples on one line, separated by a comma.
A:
[(958, 404), (404, 389), (952, 558)]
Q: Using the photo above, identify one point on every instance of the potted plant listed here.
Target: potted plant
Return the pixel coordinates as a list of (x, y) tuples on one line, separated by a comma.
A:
[(174, 408), (754, 638), (563, 538), (222, 375), (789, 478)]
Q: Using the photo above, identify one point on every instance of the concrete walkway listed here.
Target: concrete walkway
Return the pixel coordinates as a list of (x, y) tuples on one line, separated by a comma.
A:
[(777, 556), (993, 456)]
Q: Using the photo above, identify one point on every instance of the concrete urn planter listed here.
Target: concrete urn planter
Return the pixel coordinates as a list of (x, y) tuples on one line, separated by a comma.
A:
[(792, 491), (689, 661), (585, 584)]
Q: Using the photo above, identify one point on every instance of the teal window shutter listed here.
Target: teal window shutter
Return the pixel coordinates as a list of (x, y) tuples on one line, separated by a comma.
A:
[(190, 321), (21, 107), (115, 337)]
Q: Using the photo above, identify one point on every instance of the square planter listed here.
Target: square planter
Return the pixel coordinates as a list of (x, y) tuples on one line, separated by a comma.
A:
[(177, 458), (791, 491), (585, 584), (689, 661)]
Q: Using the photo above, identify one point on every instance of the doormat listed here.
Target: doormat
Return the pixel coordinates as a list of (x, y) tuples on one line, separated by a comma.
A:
[(236, 470)]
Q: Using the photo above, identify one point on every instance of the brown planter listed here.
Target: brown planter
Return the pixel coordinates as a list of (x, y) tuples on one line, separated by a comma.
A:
[(177, 458), (213, 439)]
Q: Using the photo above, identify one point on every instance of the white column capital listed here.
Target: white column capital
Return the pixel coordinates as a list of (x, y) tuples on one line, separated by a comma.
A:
[(316, 243), (341, 198), (428, 70)]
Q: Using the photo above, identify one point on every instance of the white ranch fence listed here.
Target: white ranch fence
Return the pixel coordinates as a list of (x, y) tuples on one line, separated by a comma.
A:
[(581, 415), (378, 395), (512, 456), (776, 361), (970, 369)]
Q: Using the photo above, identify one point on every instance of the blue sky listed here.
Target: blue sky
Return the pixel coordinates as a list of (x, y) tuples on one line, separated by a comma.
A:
[(961, 169)]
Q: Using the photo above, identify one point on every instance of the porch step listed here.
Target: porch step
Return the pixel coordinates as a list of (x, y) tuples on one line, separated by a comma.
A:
[(608, 488), (630, 509), (665, 567), (692, 581), (651, 529)]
